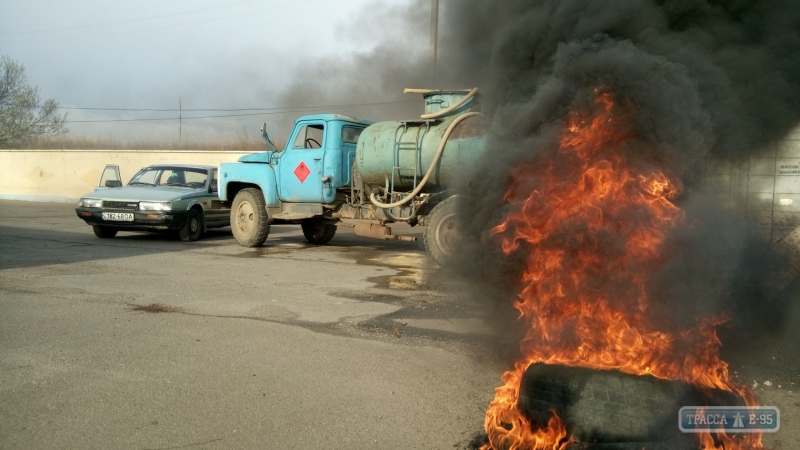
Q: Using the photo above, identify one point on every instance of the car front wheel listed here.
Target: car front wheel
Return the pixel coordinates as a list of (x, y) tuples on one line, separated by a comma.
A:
[(193, 228), (104, 232)]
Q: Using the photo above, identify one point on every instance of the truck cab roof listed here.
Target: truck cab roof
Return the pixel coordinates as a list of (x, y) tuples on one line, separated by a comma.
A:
[(332, 117)]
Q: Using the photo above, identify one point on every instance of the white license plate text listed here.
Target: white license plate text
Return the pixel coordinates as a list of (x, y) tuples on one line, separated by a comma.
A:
[(122, 217)]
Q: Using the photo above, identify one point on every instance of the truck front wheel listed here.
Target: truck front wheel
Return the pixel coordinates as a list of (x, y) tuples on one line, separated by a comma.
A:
[(317, 231), (443, 231), (249, 219)]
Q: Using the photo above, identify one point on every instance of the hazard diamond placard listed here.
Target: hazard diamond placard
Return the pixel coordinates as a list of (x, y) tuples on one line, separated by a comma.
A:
[(302, 171)]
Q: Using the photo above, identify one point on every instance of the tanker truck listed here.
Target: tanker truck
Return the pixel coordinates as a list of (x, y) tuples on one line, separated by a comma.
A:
[(337, 171)]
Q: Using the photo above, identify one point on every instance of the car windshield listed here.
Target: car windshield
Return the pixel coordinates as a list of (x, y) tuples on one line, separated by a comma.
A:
[(171, 176)]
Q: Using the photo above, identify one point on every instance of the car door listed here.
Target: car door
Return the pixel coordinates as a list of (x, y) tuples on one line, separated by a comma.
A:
[(216, 213), (110, 177), (301, 164)]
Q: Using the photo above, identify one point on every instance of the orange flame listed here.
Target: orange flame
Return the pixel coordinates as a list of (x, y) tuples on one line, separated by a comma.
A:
[(591, 224)]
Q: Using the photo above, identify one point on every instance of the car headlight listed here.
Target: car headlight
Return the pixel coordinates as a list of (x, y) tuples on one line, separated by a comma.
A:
[(91, 203), (155, 206)]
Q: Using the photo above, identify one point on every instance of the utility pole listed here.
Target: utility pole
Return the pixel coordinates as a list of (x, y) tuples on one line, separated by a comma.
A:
[(434, 36), (180, 123)]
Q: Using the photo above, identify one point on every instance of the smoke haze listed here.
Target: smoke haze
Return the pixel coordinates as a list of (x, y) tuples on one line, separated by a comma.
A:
[(703, 78)]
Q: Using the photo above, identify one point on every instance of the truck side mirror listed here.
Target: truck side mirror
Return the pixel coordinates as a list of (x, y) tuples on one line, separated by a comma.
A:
[(113, 183)]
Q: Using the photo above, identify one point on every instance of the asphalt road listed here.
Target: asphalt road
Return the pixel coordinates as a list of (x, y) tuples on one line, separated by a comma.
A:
[(146, 342), (287, 346)]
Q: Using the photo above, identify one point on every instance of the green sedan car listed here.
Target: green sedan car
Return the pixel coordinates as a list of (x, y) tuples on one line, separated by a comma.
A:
[(176, 198)]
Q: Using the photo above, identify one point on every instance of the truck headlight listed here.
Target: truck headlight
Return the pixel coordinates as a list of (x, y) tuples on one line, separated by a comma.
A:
[(91, 203), (155, 206)]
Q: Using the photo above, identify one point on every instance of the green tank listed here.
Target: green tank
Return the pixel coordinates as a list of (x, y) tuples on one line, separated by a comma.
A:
[(398, 154)]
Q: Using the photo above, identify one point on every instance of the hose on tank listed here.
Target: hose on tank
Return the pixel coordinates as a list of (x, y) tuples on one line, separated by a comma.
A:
[(435, 161)]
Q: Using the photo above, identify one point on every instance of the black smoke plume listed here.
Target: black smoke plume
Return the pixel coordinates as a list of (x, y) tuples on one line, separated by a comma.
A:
[(705, 78)]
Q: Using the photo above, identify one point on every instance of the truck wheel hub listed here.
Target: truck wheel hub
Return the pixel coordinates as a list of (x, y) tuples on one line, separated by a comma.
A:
[(245, 218), (447, 234)]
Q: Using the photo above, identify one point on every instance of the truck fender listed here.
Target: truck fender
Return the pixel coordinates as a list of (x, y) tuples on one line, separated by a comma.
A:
[(233, 176), (432, 201)]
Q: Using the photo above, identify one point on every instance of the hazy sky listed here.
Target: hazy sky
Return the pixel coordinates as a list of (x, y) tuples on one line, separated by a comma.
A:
[(224, 54)]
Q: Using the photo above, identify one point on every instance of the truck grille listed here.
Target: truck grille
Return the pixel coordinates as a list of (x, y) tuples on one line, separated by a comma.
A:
[(120, 205)]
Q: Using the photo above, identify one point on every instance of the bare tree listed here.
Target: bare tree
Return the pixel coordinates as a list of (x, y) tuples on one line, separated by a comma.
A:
[(22, 116)]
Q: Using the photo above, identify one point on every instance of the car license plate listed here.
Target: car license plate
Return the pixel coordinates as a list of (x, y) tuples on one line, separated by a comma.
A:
[(123, 217)]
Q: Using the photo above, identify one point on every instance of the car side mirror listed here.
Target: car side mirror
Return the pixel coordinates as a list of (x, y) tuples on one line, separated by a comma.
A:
[(113, 183)]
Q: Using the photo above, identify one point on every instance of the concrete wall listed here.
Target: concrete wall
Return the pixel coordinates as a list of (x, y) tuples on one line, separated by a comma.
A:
[(66, 175), (764, 188)]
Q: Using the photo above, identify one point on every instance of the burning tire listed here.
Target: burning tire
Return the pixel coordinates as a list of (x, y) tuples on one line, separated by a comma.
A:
[(613, 407), (442, 231), (629, 446)]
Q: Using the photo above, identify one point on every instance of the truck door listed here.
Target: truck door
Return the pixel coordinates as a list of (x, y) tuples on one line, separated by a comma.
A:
[(301, 164), (350, 136)]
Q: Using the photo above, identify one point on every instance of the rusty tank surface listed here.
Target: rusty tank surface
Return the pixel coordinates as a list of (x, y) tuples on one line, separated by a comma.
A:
[(397, 154)]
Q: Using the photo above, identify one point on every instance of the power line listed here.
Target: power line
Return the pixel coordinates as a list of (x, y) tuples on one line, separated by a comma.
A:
[(87, 108), (167, 109), (161, 28), (149, 119), (287, 111)]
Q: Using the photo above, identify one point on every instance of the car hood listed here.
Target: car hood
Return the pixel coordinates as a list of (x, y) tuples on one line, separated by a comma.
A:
[(143, 193)]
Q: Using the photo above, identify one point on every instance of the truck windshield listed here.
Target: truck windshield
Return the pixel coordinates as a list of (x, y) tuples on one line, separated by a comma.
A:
[(309, 136)]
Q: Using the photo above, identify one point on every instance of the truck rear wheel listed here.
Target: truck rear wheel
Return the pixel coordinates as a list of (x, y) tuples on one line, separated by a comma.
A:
[(317, 231), (249, 219), (443, 232)]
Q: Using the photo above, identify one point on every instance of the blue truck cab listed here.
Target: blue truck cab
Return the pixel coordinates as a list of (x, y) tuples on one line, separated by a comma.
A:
[(303, 183)]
